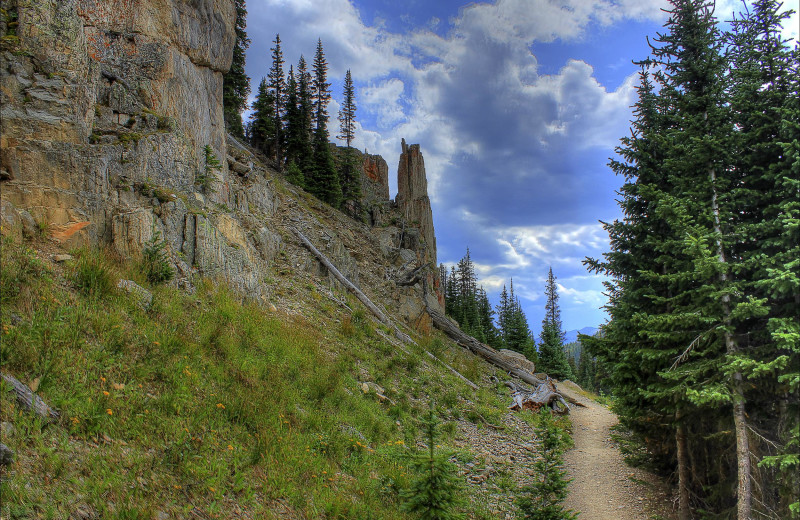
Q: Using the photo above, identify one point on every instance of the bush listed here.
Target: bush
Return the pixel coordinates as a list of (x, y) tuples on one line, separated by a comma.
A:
[(155, 264), (93, 275)]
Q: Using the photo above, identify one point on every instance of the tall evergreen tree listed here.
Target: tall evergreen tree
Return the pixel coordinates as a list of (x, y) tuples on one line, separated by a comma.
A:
[(277, 89), (696, 260), (766, 111), (262, 120), (306, 115), (350, 175), (324, 182), (347, 113), (235, 83), (552, 358)]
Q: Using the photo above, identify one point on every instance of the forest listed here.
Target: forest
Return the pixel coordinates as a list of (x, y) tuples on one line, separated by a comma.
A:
[(703, 343)]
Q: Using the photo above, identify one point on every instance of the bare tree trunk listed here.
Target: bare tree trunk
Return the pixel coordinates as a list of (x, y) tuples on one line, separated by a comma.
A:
[(744, 488), (684, 511)]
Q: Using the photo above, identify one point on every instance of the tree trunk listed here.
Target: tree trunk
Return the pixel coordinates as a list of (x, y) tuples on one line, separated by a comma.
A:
[(684, 511), (28, 400), (744, 488)]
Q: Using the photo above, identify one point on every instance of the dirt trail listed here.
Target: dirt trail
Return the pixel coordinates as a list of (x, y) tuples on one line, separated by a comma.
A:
[(603, 486)]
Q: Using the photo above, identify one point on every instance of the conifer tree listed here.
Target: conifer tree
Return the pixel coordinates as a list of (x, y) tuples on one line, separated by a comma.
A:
[(305, 105), (235, 83), (435, 492), (262, 120), (766, 111), (294, 131), (552, 358), (277, 89), (350, 177), (347, 114), (543, 498), (324, 181)]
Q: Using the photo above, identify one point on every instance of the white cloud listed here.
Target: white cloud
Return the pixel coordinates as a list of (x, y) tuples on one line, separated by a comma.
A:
[(383, 98)]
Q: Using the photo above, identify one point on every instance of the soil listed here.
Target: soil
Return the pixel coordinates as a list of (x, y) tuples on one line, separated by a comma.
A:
[(603, 486)]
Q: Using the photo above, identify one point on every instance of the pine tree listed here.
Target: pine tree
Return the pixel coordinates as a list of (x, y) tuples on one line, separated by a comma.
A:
[(766, 111), (324, 180), (350, 175), (295, 138), (347, 113), (235, 83), (543, 498), (262, 120), (552, 358), (502, 313), (277, 90), (434, 493), (305, 105)]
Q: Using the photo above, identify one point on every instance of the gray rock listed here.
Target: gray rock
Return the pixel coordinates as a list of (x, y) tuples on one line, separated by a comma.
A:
[(6, 429), (142, 296)]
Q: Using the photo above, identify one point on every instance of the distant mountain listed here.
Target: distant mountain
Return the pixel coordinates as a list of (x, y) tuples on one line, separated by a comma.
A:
[(572, 335)]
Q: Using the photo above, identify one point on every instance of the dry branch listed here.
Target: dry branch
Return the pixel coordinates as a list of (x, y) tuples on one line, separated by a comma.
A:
[(29, 400)]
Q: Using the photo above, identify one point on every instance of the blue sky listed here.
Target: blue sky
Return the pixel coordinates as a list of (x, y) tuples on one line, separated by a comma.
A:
[(517, 106)]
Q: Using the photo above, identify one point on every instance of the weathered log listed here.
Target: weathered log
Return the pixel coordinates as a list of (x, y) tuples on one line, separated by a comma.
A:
[(445, 324), (544, 394), (412, 277), (363, 298), (29, 400)]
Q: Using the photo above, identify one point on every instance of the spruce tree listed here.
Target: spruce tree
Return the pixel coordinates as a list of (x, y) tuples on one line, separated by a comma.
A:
[(305, 159), (543, 498), (347, 113), (766, 111), (262, 120), (552, 358), (324, 179), (350, 174), (434, 493), (277, 90), (235, 83)]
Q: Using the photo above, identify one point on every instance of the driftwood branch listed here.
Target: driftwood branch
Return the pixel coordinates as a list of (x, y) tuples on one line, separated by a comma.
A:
[(412, 277), (363, 298), (544, 394), (29, 400)]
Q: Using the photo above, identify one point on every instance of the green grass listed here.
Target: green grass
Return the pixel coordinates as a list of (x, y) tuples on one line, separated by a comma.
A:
[(204, 401)]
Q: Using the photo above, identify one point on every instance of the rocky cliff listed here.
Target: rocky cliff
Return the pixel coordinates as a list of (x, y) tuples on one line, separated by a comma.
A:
[(107, 109)]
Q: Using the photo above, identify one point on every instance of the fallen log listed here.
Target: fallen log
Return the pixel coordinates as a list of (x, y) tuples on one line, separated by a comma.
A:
[(543, 395), (29, 400), (445, 324), (363, 298)]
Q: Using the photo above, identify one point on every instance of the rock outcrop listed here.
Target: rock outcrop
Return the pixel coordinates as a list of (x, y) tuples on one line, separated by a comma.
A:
[(108, 109), (415, 206)]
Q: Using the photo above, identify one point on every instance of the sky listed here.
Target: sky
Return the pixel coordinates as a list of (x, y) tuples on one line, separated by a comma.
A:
[(517, 106)]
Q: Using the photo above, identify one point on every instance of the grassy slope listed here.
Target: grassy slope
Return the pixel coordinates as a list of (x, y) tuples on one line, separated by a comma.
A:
[(204, 403)]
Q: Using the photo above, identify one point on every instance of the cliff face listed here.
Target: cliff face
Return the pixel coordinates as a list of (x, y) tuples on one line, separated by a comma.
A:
[(102, 95), (107, 107)]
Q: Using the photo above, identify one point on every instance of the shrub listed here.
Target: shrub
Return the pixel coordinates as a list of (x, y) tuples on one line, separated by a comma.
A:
[(204, 180), (155, 264)]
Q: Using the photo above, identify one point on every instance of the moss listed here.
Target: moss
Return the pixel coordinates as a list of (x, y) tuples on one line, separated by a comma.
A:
[(130, 137)]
